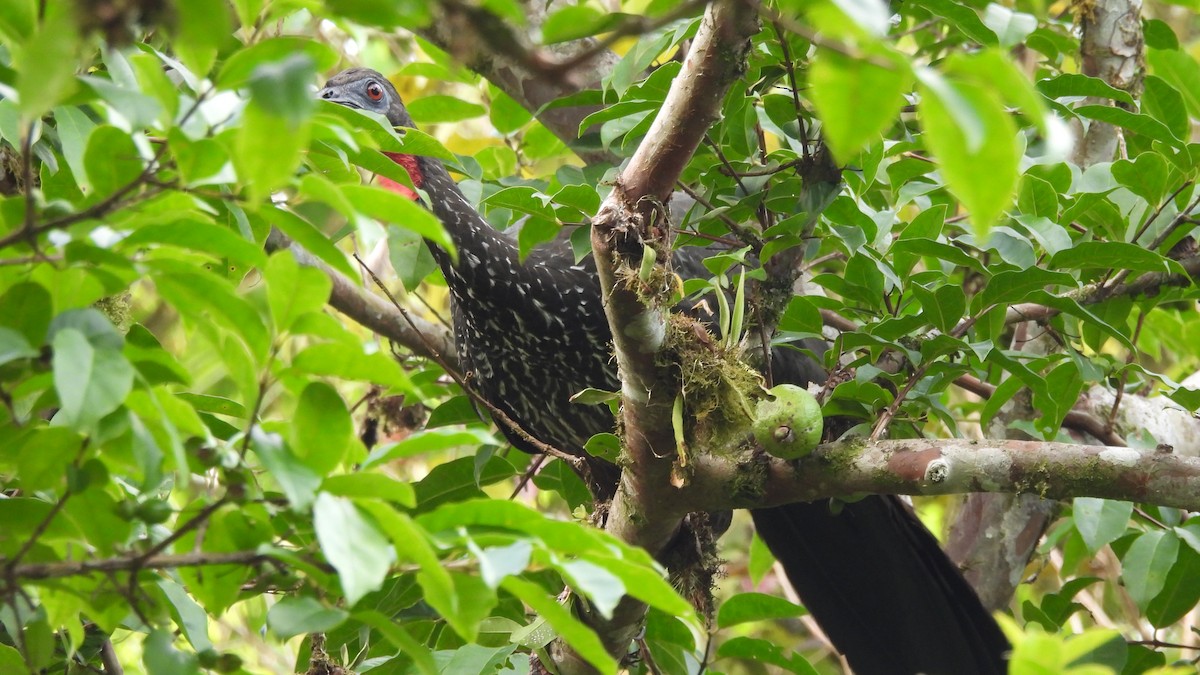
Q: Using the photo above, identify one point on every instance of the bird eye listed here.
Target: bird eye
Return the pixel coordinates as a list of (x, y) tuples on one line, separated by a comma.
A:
[(374, 91)]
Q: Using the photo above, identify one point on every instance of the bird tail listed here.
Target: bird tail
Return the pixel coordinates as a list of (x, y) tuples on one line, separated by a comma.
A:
[(882, 589)]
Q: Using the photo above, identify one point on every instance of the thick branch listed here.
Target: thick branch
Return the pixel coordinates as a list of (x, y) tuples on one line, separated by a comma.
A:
[(371, 311), (940, 467), (716, 59), (1111, 49), (521, 72), (622, 232)]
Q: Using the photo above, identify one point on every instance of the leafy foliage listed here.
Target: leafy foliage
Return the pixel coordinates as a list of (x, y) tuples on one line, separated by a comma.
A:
[(200, 461)]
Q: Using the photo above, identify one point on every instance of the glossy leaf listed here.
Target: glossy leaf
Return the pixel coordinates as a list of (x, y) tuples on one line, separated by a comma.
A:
[(966, 127), (1147, 564), (1100, 521), (857, 98), (747, 607), (352, 544)]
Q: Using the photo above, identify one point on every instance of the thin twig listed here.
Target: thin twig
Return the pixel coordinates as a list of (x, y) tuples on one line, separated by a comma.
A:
[(791, 73), (1119, 392), (500, 416)]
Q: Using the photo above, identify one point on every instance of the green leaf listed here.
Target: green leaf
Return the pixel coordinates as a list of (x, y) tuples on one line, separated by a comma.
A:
[(91, 381), (370, 485), (1138, 123), (240, 68), (857, 99), (574, 22), (213, 404), (321, 427), (400, 639), (1037, 197), (112, 160), (1112, 255), (307, 235), (11, 660), (26, 308), (576, 634), (746, 607), (197, 235), (602, 587), (412, 543), (17, 20), (410, 257), (963, 18), (1159, 34), (1011, 28), (162, 658), (298, 481), (268, 150), (299, 615), (281, 88), (522, 199), (1012, 286), (506, 115), (1075, 84), (1147, 563), (429, 440), (1145, 177), (14, 346), (202, 162), (390, 207), (1063, 385), (763, 651), (45, 64), (40, 455), (1100, 521), (352, 544), (198, 294), (292, 290), (1165, 103), (1180, 591), (1181, 71), (497, 562), (352, 363), (459, 479), (203, 26), (942, 307), (605, 446), (438, 109), (966, 127), (74, 127), (188, 615)]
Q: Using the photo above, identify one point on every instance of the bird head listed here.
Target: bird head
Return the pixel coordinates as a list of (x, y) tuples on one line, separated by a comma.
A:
[(366, 89)]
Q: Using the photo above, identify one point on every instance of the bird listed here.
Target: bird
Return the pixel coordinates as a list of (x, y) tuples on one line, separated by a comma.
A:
[(532, 333)]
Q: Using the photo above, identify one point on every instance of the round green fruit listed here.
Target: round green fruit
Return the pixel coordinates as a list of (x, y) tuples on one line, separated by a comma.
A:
[(788, 422)]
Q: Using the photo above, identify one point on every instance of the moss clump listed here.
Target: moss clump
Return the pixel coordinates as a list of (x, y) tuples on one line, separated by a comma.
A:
[(117, 308), (718, 389), (749, 483)]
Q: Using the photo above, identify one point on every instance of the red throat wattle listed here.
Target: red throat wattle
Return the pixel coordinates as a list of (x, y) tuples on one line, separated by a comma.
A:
[(409, 163)]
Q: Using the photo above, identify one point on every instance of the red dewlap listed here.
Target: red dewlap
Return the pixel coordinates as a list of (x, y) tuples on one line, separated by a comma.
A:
[(409, 163)]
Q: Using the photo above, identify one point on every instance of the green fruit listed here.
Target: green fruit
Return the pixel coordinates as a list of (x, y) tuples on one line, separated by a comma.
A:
[(154, 511), (788, 422)]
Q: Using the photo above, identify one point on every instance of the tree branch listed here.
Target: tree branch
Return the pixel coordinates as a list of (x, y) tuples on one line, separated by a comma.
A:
[(929, 467), (422, 337), (628, 226), (1146, 284)]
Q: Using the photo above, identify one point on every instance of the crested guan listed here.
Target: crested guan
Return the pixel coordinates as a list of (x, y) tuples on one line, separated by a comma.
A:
[(533, 333)]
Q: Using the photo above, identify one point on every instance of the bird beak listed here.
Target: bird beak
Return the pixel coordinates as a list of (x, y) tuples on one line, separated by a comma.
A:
[(333, 96)]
